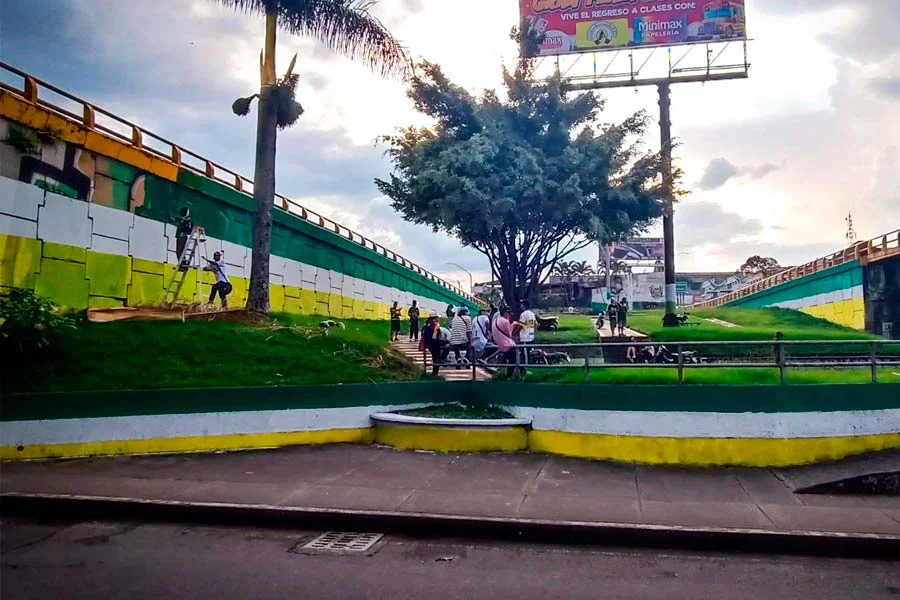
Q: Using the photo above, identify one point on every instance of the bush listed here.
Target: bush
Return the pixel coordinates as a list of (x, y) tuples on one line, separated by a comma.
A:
[(29, 324)]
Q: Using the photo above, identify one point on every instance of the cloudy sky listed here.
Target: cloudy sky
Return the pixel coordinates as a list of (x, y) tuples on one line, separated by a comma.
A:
[(773, 163)]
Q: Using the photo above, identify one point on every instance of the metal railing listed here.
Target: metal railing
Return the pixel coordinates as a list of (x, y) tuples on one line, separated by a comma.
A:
[(780, 355), (865, 252), (105, 122)]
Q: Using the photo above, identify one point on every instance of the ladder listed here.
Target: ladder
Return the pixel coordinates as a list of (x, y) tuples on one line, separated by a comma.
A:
[(185, 264)]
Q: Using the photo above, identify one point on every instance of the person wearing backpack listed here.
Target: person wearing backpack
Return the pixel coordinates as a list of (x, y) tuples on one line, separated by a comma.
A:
[(413, 313), (222, 286)]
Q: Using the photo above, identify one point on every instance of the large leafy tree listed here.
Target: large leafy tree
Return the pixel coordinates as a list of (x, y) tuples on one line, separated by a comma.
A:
[(526, 178), (764, 266), (345, 26)]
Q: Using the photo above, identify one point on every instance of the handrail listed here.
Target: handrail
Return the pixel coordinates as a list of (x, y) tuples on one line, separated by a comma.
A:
[(861, 354), (877, 248), (140, 138)]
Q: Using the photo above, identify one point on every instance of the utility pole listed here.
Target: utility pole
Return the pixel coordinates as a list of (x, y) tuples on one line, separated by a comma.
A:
[(670, 319)]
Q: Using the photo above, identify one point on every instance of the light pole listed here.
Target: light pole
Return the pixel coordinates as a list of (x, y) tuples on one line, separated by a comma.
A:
[(471, 281)]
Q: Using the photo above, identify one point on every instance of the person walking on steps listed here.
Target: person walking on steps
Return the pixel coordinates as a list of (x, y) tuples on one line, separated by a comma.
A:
[(432, 342), (222, 287), (413, 313), (395, 322), (623, 315), (461, 335)]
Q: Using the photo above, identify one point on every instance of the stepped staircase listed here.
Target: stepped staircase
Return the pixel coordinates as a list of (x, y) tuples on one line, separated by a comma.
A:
[(410, 349)]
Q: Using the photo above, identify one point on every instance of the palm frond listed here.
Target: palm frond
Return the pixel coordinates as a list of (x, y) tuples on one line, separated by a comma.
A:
[(344, 26)]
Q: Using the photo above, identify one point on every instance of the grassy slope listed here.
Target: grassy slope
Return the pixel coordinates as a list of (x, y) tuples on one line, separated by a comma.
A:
[(573, 329), (755, 324), (204, 353)]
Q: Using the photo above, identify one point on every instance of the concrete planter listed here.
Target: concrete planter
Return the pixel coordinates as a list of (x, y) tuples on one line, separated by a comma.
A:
[(451, 435)]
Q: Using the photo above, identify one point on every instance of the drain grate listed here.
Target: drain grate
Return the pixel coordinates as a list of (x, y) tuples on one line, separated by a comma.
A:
[(340, 541)]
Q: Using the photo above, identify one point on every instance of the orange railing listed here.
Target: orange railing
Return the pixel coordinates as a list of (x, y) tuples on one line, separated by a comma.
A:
[(97, 119), (865, 252)]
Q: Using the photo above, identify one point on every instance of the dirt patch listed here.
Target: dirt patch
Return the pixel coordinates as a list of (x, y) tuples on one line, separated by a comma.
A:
[(111, 315)]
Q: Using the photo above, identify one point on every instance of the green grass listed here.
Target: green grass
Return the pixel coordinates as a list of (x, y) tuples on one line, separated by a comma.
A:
[(573, 329), (289, 350), (459, 411), (706, 376), (754, 324)]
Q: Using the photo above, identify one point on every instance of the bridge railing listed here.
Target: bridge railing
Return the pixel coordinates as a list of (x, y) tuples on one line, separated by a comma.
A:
[(825, 358), (89, 116), (865, 252)]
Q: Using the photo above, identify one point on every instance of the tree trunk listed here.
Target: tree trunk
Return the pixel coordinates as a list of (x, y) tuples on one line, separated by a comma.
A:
[(264, 178)]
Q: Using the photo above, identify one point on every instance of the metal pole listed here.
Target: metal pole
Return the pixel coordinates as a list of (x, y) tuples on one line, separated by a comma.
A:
[(670, 319), (874, 359), (680, 363), (587, 367), (779, 349)]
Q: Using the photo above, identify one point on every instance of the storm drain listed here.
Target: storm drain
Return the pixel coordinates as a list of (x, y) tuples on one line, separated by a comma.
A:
[(341, 541)]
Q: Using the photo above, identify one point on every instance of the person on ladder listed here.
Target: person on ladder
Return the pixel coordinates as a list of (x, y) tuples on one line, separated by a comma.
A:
[(184, 229), (222, 286)]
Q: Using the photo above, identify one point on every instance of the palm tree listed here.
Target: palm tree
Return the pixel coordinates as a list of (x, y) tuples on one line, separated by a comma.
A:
[(345, 26)]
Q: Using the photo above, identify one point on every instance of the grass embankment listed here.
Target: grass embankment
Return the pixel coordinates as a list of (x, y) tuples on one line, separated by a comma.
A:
[(214, 352), (750, 325), (458, 411), (573, 329)]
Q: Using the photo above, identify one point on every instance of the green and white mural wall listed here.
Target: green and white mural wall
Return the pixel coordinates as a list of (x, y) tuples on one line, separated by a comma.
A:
[(92, 224)]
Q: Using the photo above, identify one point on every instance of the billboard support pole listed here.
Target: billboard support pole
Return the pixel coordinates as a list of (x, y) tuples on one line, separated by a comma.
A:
[(670, 319)]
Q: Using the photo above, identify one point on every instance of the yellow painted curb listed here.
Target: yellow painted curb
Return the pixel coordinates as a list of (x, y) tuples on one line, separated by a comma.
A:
[(754, 452), (452, 439), (189, 444)]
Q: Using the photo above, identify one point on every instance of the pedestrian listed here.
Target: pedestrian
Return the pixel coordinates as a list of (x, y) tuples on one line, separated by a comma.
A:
[(413, 314), (481, 333), (623, 315), (631, 351), (431, 338), (505, 331), (612, 314), (450, 311), (461, 335), (222, 286), (395, 322), (529, 324)]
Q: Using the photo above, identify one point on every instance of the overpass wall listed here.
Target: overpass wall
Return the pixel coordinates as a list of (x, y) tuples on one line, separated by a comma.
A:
[(835, 294), (88, 221)]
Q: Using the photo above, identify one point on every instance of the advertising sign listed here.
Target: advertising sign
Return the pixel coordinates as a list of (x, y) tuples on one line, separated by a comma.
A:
[(638, 249), (571, 26), (648, 287)]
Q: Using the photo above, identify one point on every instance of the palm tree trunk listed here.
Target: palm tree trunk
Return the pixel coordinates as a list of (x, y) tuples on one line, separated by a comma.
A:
[(264, 177)]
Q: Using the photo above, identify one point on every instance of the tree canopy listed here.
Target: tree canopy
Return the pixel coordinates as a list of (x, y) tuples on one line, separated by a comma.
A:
[(765, 266), (526, 179)]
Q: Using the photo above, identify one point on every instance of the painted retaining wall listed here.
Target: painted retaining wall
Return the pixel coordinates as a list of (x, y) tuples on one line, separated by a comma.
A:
[(836, 295), (88, 221), (689, 425)]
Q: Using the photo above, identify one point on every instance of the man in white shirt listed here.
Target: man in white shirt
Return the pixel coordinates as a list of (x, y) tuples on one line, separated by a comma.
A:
[(481, 332), (461, 335), (529, 324), (222, 285)]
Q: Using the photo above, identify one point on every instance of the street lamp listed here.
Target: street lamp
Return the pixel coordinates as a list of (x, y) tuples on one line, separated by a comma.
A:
[(471, 281)]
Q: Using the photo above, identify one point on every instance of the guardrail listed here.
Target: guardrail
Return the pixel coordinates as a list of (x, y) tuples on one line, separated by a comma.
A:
[(124, 131), (865, 252), (782, 355)]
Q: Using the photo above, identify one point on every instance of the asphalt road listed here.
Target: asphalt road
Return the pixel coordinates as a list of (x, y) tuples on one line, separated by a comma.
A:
[(121, 560)]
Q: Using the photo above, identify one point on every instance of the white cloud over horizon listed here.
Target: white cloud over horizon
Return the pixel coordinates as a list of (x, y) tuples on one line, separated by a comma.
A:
[(774, 163)]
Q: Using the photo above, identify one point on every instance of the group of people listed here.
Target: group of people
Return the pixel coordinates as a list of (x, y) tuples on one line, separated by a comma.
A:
[(617, 313), (492, 330)]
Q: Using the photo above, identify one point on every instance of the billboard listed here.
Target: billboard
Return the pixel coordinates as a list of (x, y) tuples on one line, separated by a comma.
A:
[(571, 26), (648, 288), (643, 249)]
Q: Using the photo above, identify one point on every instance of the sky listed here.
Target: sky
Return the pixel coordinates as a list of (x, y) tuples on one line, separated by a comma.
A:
[(773, 163)]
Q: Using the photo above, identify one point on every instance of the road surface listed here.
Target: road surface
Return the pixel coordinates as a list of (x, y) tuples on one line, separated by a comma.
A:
[(134, 561)]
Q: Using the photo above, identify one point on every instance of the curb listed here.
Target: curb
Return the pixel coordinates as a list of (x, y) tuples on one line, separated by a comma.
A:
[(426, 525)]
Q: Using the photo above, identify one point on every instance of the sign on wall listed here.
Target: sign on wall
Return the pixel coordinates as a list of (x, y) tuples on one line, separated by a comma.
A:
[(648, 287), (571, 26)]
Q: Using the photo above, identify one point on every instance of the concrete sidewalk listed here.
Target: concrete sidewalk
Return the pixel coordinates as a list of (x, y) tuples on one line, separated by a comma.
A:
[(524, 487)]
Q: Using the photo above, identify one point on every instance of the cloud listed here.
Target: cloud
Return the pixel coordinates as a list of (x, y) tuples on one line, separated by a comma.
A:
[(887, 87), (720, 171), (699, 223)]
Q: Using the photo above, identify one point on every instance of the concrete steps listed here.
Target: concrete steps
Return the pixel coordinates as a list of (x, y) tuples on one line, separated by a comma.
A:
[(410, 349)]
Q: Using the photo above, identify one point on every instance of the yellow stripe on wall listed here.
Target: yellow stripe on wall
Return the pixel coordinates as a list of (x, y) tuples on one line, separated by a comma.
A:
[(849, 313), (447, 439), (189, 444), (751, 452)]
